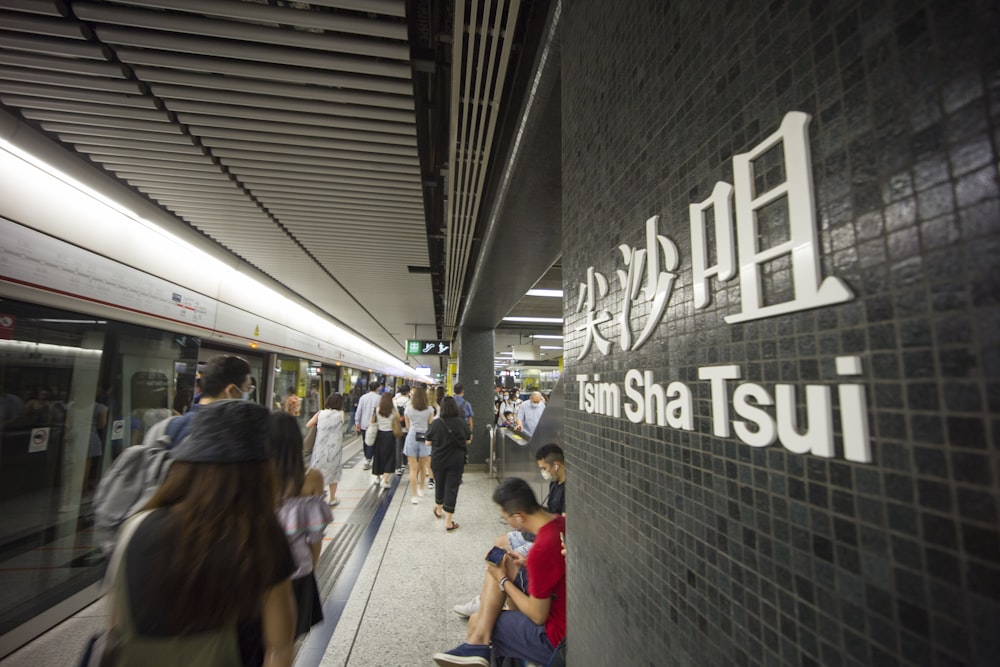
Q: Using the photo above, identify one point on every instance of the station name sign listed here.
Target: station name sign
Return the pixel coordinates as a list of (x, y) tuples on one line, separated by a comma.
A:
[(732, 217)]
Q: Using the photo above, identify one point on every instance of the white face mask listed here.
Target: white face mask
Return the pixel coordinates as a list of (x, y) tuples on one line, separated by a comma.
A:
[(546, 475), (246, 396), (534, 405)]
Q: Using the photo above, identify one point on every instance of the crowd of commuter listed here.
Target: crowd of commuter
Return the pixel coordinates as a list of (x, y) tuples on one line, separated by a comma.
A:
[(236, 587)]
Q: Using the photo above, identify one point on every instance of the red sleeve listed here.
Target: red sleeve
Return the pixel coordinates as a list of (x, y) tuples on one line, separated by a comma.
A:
[(545, 562)]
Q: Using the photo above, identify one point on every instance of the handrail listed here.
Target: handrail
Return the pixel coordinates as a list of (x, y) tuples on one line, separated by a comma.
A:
[(491, 462)]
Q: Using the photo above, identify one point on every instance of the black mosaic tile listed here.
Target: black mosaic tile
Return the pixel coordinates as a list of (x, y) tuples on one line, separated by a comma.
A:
[(773, 557)]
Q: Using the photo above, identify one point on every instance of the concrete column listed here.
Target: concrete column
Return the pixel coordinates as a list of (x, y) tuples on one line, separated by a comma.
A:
[(475, 372)]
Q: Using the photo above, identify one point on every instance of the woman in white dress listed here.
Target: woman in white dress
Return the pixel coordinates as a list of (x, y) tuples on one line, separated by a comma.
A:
[(328, 450), (417, 416)]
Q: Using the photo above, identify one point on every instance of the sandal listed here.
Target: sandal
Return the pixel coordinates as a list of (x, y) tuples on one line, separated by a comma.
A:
[(454, 526), (438, 514)]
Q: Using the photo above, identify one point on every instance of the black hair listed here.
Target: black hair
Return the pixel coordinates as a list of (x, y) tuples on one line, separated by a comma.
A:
[(514, 495), (449, 407), (551, 452), (405, 389), (222, 371), (335, 402), (285, 440), (459, 388), (373, 386)]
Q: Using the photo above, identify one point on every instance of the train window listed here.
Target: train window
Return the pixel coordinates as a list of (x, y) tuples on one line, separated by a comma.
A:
[(75, 390)]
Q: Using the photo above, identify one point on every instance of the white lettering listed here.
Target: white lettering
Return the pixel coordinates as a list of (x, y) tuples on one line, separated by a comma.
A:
[(634, 411), (609, 399), (654, 395), (720, 405), (725, 250), (680, 411), (802, 246), (581, 380), (853, 413), (819, 437), (764, 434)]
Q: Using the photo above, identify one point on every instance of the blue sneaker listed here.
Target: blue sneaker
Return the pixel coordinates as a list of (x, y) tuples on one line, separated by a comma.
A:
[(464, 654)]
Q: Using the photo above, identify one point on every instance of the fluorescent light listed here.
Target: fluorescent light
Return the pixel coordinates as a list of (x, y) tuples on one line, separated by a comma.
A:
[(550, 347), (539, 320), (545, 292), (505, 353), (555, 336)]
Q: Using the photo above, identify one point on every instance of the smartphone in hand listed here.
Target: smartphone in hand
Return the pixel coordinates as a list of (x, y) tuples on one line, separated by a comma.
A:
[(495, 556)]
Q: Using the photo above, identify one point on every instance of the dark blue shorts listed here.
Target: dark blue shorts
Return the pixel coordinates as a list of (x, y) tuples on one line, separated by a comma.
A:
[(516, 636)]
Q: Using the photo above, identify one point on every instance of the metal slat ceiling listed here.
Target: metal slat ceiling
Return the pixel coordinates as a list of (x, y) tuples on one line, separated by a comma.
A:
[(284, 131)]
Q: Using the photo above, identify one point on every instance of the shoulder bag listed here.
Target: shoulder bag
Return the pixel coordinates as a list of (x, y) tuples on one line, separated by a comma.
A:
[(371, 432), (102, 648)]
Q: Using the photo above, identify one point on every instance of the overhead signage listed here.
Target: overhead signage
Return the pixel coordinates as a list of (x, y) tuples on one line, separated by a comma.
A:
[(649, 275), (436, 347)]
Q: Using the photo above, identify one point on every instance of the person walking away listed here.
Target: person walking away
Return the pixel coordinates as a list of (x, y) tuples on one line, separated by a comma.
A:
[(464, 407), (401, 400), (206, 575), (448, 438), (363, 417), (302, 514), (416, 420), (438, 394), (386, 420), (328, 451)]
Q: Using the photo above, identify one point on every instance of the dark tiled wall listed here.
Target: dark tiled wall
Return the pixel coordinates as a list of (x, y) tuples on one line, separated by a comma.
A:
[(693, 549)]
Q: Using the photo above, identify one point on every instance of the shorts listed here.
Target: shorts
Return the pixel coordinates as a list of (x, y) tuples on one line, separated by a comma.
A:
[(516, 636), (413, 447), (518, 543)]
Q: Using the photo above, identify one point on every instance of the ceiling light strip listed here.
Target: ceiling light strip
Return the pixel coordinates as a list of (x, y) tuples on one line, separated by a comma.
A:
[(489, 106), (472, 108), (471, 146)]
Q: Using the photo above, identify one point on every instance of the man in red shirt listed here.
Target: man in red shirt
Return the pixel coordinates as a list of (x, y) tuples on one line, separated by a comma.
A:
[(534, 589)]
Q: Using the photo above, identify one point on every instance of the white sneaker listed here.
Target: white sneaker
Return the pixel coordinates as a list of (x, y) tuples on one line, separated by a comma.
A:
[(420, 492), (384, 485), (415, 501), (467, 609), (367, 465), (376, 479)]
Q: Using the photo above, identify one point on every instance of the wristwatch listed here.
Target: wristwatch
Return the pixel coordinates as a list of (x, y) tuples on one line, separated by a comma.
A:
[(503, 581)]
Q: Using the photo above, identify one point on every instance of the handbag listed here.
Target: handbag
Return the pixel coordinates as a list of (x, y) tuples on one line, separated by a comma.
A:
[(397, 428), (371, 432), (309, 441)]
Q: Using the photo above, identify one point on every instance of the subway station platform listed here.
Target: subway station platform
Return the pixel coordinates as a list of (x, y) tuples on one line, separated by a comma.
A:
[(389, 574)]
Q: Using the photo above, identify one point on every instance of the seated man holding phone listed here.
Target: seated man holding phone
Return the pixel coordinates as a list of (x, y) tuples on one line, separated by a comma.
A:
[(552, 465), (535, 621)]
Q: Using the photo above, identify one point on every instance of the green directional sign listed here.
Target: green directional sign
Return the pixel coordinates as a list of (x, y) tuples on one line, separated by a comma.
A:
[(441, 348)]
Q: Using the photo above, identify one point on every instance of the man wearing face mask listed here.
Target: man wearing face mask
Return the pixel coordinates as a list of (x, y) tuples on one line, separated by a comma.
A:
[(552, 466), (224, 376), (126, 488), (529, 413)]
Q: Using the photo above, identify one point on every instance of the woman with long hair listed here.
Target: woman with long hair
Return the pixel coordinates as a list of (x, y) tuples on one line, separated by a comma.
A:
[(206, 575), (448, 436), (386, 420), (302, 514), (417, 417), (328, 451)]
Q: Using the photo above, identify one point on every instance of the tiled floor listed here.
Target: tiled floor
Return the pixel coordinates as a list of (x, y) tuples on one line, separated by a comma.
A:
[(393, 602)]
